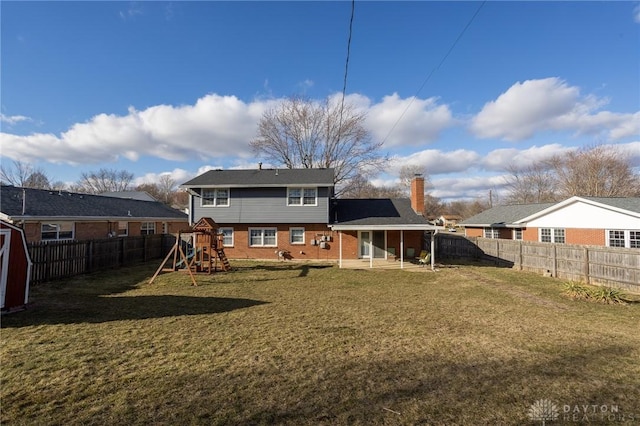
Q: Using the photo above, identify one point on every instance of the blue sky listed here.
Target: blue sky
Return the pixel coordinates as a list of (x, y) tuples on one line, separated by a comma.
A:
[(178, 87)]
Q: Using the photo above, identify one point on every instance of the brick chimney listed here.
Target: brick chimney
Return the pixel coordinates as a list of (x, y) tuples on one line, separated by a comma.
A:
[(417, 194)]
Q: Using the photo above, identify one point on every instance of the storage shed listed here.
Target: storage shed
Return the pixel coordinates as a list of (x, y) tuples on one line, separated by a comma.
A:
[(15, 268)]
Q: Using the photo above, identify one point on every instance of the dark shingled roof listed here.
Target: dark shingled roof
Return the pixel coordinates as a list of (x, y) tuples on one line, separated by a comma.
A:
[(46, 203), (263, 177), (386, 211)]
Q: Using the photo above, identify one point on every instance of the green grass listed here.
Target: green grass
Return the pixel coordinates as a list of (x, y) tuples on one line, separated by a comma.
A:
[(296, 344)]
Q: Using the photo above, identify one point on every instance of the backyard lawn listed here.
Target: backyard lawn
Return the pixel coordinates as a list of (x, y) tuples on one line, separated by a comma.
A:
[(287, 343)]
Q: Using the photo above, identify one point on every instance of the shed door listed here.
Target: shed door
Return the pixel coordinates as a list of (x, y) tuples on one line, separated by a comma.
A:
[(5, 245)]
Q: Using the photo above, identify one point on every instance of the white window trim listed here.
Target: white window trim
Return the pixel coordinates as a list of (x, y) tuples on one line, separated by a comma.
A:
[(73, 231), (215, 197), (553, 235), (302, 189), (494, 233), (627, 237), (232, 236), (297, 228), (142, 228), (515, 234), (126, 229), (262, 237)]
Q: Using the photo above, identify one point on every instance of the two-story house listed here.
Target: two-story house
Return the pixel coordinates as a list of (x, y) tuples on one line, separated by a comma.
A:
[(263, 212)]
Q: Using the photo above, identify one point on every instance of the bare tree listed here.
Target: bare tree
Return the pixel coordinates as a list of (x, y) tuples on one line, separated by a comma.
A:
[(361, 187), (300, 133), (467, 208), (533, 184), (163, 190), (408, 172), (151, 189), (105, 180), (596, 171), (433, 206), (166, 187), (25, 175)]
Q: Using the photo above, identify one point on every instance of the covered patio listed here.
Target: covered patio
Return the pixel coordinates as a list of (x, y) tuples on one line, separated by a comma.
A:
[(382, 232)]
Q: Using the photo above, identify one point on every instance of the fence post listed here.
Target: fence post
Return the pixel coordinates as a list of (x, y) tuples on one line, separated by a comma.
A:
[(586, 265), (554, 266), (520, 254), (89, 256), (47, 259)]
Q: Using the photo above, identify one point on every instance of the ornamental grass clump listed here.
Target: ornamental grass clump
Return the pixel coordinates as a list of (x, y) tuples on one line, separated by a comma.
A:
[(606, 295)]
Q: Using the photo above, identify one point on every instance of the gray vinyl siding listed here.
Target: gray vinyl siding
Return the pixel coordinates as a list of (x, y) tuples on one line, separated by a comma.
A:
[(263, 205)]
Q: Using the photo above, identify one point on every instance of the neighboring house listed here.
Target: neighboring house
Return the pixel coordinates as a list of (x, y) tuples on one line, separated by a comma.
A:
[(448, 220), (47, 215), (131, 195), (611, 222), (263, 212)]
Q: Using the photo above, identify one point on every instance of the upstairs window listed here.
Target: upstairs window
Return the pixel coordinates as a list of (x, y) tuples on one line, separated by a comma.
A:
[(57, 231), (218, 197), (302, 196)]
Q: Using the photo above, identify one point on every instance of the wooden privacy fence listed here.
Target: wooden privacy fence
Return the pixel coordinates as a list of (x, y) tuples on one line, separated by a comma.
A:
[(610, 266), (60, 259)]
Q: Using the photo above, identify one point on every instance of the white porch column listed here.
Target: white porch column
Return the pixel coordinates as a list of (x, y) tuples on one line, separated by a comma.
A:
[(433, 250), (401, 249), (371, 250)]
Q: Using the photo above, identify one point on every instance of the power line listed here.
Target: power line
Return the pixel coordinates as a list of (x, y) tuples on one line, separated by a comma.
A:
[(444, 58), (346, 65)]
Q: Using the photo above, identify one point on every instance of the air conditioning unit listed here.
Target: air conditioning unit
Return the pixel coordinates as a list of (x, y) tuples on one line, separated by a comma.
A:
[(323, 245), (314, 242)]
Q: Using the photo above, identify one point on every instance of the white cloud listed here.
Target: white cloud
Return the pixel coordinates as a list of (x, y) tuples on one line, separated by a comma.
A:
[(13, 119), (133, 10), (467, 187), (408, 122), (549, 104), (500, 159), (636, 14), (436, 161), (214, 127)]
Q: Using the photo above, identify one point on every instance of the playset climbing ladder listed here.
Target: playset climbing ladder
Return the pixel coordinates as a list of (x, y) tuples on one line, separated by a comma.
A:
[(206, 256)]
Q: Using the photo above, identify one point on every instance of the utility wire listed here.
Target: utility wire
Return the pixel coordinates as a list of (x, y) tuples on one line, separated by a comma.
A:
[(444, 58), (346, 65)]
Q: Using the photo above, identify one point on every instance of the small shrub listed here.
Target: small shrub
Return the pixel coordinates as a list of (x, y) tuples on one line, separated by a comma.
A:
[(597, 294), (608, 295), (577, 291)]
